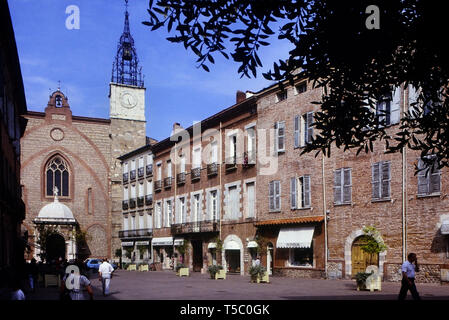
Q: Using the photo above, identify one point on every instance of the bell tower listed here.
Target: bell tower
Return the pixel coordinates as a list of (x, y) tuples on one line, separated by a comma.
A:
[(127, 114)]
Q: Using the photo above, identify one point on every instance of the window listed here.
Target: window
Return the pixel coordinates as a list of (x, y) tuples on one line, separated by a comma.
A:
[(158, 217), (301, 257), (428, 178), (141, 192), (300, 88), (275, 195), (281, 95), (343, 186), (168, 213), (250, 200), (214, 152), (140, 170), (300, 192), (133, 223), (58, 100), (381, 180), (169, 169), (303, 129), (125, 193), (196, 163), (232, 149), (125, 223), (149, 220), (213, 205), (280, 136), (196, 208), (133, 191), (159, 171), (181, 212), (57, 175), (182, 163), (141, 222), (388, 108), (233, 203), (149, 187), (251, 145)]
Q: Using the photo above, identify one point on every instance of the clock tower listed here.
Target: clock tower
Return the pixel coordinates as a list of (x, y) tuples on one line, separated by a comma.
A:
[(127, 114)]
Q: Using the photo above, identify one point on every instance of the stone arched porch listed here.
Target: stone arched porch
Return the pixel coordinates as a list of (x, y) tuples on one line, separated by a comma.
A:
[(227, 240)]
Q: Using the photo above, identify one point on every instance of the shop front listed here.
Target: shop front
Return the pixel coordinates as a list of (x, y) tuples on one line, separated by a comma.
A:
[(163, 253)]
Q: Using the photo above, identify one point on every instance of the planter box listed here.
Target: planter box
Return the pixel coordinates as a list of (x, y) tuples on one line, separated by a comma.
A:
[(372, 283), (221, 274), (183, 272), (265, 278), (132, 267), (143, 268)]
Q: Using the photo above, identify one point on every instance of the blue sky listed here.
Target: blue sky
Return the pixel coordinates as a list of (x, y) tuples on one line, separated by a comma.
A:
[(177, 91)]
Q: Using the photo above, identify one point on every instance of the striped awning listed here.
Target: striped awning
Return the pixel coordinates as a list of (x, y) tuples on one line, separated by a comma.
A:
[(127, 244), (299, 237), (179, 241), (164, 241)]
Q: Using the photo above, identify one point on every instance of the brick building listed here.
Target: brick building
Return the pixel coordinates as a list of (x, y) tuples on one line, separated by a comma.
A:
[(12, 127), (78, 156)]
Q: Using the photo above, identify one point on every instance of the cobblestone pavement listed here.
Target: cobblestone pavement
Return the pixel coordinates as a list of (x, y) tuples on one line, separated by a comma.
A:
[(165, 285)]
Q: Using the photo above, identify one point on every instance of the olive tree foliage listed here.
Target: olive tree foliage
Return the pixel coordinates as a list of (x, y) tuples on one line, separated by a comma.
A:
[(333, 47)]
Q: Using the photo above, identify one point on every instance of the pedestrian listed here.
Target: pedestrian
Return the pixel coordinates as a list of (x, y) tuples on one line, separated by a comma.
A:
[(408, 277), (33, 273), (105, 271), (72, 286), (256, 262)]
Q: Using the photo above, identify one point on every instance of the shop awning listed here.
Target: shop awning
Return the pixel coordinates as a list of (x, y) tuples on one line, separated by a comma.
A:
[(252, 244), (212, 245), (179, 241), (289, 221), (445, 227), (142, 243), (231, 245), (164, 241), (127, 244), (299, 237)]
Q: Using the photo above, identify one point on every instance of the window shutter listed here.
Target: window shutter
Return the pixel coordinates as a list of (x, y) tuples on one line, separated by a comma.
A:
[(434, 183), (293, 193), (296, 126), (309, 127), (347, 185), (271, 195), (375, 180), (423, 187), (395, 113), (306, 188), (385, 180), (337, 186), (277, 195), (281, 136), (276, 125)]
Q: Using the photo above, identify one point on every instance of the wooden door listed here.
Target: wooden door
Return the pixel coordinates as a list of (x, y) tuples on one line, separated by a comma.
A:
[(197, 247), (361, 259)]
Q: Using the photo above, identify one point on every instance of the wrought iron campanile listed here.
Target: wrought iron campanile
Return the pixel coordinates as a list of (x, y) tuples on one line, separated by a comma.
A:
[(125, 69)]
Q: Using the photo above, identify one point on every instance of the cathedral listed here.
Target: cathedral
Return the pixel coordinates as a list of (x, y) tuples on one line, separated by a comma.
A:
[(71, 177)]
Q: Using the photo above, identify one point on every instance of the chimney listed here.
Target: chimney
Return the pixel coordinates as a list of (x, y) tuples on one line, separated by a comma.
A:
[(240, 96), (176, 128)]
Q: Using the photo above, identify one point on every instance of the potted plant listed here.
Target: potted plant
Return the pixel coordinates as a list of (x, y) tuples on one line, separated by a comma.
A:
[(181, 270), (360, 278), (119, 253), (258, 274), (216, 272)]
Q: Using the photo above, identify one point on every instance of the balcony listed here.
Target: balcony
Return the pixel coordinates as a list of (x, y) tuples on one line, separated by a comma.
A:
[(249, 159), (195, 227), (157, 185), (196, 174), (132, 175), (140, 201), (138, 233), (212, 169), (140, 172), (125, 204), (132, 203), (167, 182), (181, 178), (149, 170), (231, 163), (125, 177), (149, 199)]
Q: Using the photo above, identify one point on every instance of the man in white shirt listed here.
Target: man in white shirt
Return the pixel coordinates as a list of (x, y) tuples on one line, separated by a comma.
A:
[(408, 277), (105, 270)]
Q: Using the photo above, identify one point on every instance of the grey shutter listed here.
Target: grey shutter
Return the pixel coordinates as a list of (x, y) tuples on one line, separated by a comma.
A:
[(293, 193), (385, 180), (271, 195), (423, 186), (296, 126), (277, 195), (375, 180), (337, 186), (281, 136), (306, 188), (347, 185), (276, 124), (434, 176), (395, 111), (413, 106), (309, 131)]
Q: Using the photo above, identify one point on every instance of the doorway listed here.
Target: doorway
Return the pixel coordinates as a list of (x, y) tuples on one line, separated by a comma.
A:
[(197, 248), (55, 247), (361, 259), (233, 260)]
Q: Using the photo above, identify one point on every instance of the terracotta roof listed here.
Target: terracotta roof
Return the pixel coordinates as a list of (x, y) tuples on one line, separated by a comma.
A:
[(290, 221)]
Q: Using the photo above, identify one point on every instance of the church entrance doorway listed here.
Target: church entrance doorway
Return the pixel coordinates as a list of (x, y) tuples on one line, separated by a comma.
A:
[(55, 247)]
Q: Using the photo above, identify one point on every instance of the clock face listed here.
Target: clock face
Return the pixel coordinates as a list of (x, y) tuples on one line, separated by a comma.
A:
[(128, 100)]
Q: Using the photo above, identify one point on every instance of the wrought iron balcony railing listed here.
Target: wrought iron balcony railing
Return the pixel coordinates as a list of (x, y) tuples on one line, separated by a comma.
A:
[(132, 175), (167, 182), (195, 227), (138, 233), (181, 178), (140, 172), (125, 204), (149, 199), (149, 170), (231, 163), (196, 174), (157, 185), (212, 169), (132, 203), (140, 201), (125, 177)]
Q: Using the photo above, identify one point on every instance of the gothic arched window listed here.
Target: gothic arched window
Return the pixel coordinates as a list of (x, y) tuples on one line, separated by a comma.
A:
[(57, 174)]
